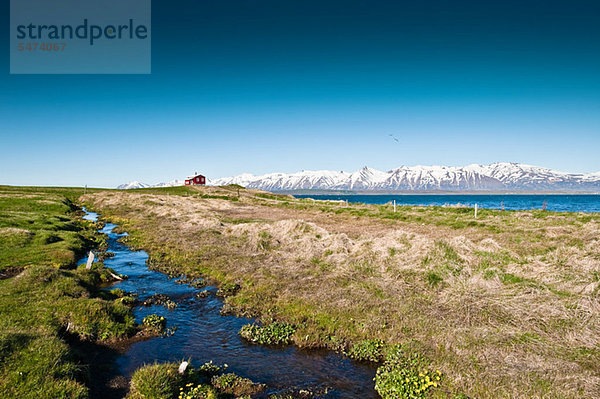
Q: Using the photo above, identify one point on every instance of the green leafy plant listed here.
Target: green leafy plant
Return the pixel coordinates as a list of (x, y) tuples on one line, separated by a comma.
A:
[(170, 304), (118, 292), (156, 322), (209, 370), (200, 391), (405, 375), (270, 334), (233, 384), (368, 349), (126, 300)]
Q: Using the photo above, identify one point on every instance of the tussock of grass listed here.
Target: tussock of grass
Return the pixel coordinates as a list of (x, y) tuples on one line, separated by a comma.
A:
[(156, 381)]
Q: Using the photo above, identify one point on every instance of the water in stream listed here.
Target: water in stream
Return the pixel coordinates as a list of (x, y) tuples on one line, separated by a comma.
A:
[(203, 334)]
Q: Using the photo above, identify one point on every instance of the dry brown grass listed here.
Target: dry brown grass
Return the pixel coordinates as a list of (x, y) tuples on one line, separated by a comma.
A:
[(508, 306)]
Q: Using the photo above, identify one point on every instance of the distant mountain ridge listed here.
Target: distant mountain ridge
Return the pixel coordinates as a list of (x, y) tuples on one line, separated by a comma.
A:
[(137, 184), (495, 177), (500, 177)]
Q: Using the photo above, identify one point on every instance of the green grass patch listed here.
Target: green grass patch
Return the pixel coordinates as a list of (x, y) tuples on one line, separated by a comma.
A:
[(369, 349), (433, 278), (441, 261), (42, 229), (509, 278), (37, 309), (156, 381)]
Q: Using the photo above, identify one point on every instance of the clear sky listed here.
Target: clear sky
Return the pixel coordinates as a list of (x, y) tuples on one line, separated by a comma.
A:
[(263, 86)]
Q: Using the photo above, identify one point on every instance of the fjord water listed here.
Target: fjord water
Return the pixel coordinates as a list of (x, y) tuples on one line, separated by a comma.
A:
[(203, 334), (554, 202)]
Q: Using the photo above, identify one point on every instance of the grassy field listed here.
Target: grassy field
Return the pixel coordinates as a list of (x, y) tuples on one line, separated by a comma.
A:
[(49, 309), (504, 305), (37, 227)]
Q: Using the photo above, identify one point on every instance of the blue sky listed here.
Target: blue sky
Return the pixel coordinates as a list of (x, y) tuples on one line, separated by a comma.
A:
[(264, 86)]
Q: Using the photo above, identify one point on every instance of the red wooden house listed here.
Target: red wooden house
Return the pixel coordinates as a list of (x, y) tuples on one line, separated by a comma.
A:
[(195, 180)]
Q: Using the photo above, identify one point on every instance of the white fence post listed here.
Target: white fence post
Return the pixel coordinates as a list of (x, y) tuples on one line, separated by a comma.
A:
[(475, 211), (394, 206)]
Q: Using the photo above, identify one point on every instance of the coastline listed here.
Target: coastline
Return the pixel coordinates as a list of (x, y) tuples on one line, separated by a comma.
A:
[(368, 192)]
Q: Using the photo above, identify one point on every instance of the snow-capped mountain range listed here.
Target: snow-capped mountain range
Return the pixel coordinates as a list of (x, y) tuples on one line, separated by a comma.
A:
[(499, 177)]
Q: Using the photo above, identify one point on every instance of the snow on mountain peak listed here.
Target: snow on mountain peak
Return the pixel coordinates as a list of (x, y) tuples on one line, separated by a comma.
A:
[(499, 176), (132, 185), (136, 184), (172, 183)]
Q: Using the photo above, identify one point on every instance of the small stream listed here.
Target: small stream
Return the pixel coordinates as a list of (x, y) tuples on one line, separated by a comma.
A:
[(203, 334)]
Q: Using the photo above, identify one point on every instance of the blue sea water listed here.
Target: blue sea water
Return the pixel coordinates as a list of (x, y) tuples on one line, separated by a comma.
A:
[(554, 202)]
